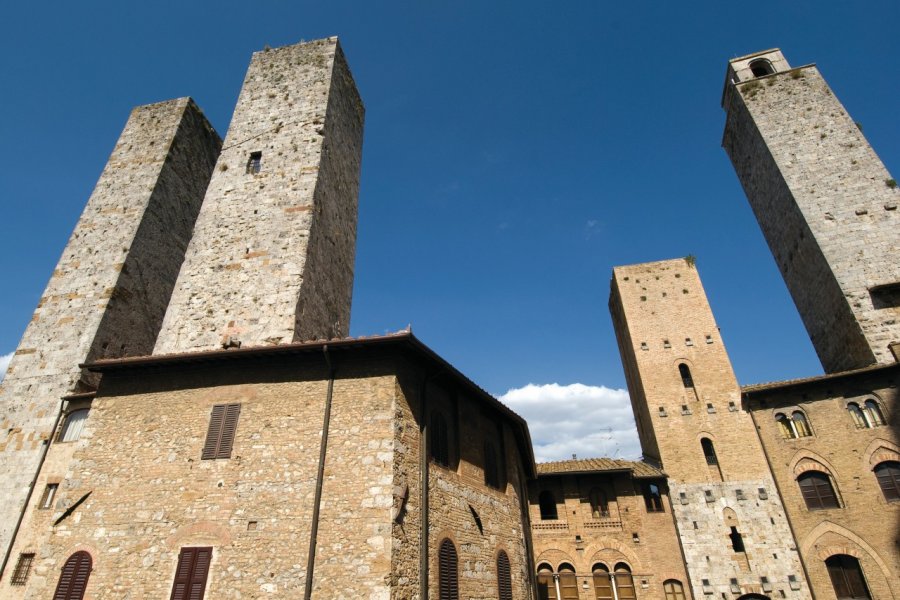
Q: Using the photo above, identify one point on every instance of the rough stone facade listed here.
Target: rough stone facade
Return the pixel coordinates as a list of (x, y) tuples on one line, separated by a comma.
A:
[(271, 258), (865, 525), (603, 519), (108, 293), (688, 409), (825, 202)]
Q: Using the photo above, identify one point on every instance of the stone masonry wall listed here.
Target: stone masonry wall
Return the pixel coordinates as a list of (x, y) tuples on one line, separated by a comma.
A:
[(665, 320), (262, 237), (107, 295), (866, 525), (827, 206)]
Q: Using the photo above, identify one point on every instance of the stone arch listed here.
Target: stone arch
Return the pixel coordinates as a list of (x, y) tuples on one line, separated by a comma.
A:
[(880, 450), (806, 460), (610, 551), (855, 546), (730, 517), (199, 532), (555, 557)]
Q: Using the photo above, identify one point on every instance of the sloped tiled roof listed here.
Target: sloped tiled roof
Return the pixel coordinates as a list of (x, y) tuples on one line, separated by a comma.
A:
[(774, 385), (639, 469)]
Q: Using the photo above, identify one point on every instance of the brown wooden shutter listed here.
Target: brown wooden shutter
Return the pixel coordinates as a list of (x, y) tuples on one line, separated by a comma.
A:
[(447, 572), (74, 577), (191, 573), (220, 435), (504, 577)]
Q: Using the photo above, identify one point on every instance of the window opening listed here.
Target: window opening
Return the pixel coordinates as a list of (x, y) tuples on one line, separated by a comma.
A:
[(547, 502), (709, 453), (254, 163), (48, 496), (872, 413), (602, 583), (440, 447), (652, 498), (888, 476), (847, 577), (599, 504), (546, 583), (491, 470), (737, 541), (857, 415), (624, 582), (23, 568), (761, 67), (191, 574), (504, 577), (73, 425), (674, 590), (73, 579), (686, 379), (477, 520), (220, 435), (568, 582), (817, 491), (801, 424)]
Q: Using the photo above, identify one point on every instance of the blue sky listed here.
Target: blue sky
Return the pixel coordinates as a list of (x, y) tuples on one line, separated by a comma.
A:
[(514, 153)]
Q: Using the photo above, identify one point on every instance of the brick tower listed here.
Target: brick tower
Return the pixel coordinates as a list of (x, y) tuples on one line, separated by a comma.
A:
[(687, 404), (271, 258), (108, 293), (825, 202)]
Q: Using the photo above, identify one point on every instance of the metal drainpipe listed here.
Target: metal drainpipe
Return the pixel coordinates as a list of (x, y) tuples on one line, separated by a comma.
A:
[(781, 499), (12, 539), (323, 446)]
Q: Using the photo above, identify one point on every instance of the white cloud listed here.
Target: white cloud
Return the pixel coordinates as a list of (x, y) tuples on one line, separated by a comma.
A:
[(4, 364), (590, 421)]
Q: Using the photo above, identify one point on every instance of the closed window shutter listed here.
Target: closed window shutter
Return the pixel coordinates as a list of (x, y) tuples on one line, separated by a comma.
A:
[(191, 574), (220, 435), (74, 577), (447, 572), (504, 577)]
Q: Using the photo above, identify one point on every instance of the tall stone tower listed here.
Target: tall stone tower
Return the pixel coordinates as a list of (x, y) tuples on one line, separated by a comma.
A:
[(108, 294), (687, 404), (825, 202), (271, 259)]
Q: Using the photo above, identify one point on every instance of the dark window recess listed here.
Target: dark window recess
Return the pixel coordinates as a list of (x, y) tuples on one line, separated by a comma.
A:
[(888, 475), (886, 296), (477, 520), (737, 541), (440, 447), (448, 578), (23, 568), (191, 573), (220, 435), (74, 577), (254, 163), (547, 502), (652, 498), (709, 452), (761, 67), (847, 577), (504, 577), (491, 468), (686, 379), (817, 491), (48, 496)]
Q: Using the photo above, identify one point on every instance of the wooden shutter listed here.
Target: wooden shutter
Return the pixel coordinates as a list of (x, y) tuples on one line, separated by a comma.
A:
[(504, 577), (191, 573), (448, 588), (568, 584), (74, 577), (602, 584), (220, 435), (817, 491), (888, 475)]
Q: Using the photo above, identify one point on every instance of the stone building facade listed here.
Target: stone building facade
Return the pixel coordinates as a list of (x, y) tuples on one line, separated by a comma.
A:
[(825, 202)]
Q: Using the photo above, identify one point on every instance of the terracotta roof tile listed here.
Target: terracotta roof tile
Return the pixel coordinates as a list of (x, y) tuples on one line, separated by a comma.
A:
[(638, 468)]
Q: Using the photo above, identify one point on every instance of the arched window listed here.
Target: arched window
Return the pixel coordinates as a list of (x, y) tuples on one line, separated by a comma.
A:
[(686, 378), (504, 577), (673, 589), (599, 504), (73, 425), (448, 578), (74, 577), (801, 424), (440, 446), (709, 452), (737, 540), (888, 475), (857, 415), (547, 502), (568, 582), (872, 413), (817, 491), (602, 582), (624, 582), (847, 577), (545, 583), (761, 67), (491, 468), (785, 426)]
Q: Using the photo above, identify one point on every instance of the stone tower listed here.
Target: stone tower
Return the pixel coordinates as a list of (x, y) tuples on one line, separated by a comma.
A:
[(825, 202), (107, 296), (687, 405), (271, 258)]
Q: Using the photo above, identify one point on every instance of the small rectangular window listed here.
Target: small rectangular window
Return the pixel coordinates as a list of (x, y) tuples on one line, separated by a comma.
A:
[(23, 568), (48, 496), (191, 573), (220, 435), (885, 296), (254, 163)]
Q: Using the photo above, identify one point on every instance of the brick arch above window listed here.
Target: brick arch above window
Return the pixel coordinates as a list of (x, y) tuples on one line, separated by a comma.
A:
[(828, 538), (880, 450), (806, 460)]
